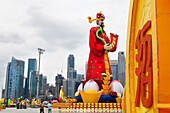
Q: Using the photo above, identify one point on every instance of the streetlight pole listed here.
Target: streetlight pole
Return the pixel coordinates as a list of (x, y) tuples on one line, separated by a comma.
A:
[(40, 51), (30, 84)]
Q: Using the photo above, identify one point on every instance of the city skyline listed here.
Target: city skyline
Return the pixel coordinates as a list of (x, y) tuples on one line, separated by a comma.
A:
[(60, 30), (73, 79)]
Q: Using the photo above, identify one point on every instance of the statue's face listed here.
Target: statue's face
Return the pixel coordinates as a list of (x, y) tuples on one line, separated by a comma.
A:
[(101, 22)]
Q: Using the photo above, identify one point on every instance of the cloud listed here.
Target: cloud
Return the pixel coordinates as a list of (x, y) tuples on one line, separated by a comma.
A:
[(11, 38), (56, 32)]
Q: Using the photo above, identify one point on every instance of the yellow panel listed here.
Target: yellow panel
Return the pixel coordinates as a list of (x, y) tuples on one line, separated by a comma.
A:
[(139, 14), (155, 58), (142, 16), (127, 103), (163, 23)]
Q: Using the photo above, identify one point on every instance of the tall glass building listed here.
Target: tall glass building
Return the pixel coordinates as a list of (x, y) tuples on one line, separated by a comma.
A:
[(44, 83), (58, 83), (14, 79), (86, 64), (71, 82), (70, 63), (7, 81), (114, 68), (71, 76), (121, 67), (32, 66), (40, 84), (33, 84)]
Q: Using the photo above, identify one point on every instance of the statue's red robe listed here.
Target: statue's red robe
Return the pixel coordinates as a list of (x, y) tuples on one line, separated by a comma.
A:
[(96, 63)]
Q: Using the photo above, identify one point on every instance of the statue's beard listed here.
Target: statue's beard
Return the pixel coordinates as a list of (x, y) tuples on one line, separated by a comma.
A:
[(102, 25)]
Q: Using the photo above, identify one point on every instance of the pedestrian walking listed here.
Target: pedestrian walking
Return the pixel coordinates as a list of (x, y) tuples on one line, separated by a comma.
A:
[(49, 107), (18, 104), (41, 107)]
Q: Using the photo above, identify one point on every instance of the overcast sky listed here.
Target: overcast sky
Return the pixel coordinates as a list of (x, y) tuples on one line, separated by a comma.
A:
[(58, 26)]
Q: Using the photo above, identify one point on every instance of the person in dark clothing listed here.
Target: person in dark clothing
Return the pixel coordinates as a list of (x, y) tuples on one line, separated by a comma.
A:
[(41, 107)]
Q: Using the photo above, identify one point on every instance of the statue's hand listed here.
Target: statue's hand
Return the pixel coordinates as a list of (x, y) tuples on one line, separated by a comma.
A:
[(107, 46)]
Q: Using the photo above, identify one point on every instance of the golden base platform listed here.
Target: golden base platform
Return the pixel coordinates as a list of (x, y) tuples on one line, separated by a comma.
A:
[(110, 106)]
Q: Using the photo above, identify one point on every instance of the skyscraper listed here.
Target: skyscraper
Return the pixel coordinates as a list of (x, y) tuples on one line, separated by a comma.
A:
[(58, 83), (121, 68), (40, 84), (80, 77), (44, 79), (7, 80), (114, 68), (33, 85), (32, 66), (71, 73), (72, 82), (71, 88), (46, 89), (65, 87), (71, 76), (14, 79), (86, 64), (52, 89), (44, 83), (70, 63)]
